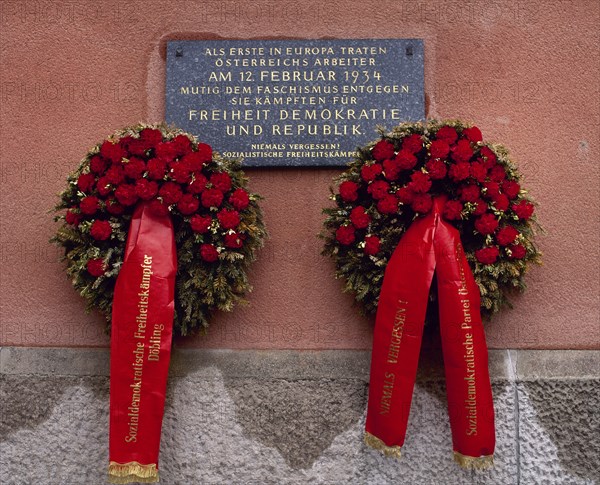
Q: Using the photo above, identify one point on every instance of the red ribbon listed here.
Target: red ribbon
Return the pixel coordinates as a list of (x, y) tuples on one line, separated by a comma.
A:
[(431, 244), (142, 327)]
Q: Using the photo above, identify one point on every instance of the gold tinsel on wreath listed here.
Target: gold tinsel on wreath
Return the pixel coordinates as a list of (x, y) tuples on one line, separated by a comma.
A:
[(132, 472)]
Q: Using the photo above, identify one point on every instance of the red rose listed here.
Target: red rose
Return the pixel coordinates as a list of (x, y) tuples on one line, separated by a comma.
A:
[(138, 147), (349, 191), (228, 219), (523, 209), (391, 169), (126, 194), (448, 134), (388, 205), (488, 155), (436, 169), (452, 210), (101, 230), (115, 175), (151, 136), (205, 152), (104, 187), (419, 182), (478, 171), (405, 195), (158, 208), (182, 144), (221, 181), (98, 165), (506, 235), (180, 173), (480, 207), (96, 267), (469, 193), (188, 204), (345, 235), (146, 189), (383, 150), (486, 224), (372, 244), (459, 171), (491, 190), (359, 218), (193, 161), (114, 208), (135, 168), (369, 172), (166, 151), (511, 188), (111, 151), (473, 134), (200, 224), (72, 218), (517, 251), (412, 143), (501, 202), (487, 255), (422, 203), (85, 182), (212, 198), (439, 149), (497, 173), (405, 160), (89, 205), (239, 199), (233, 240), (125, 141), (157, 168), (170, 193), (209, 253), (462, 151), (378, 189), (198, 184)]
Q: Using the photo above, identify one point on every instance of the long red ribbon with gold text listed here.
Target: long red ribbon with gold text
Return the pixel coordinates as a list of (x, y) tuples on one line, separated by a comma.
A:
[(431, 244), (142, 327)]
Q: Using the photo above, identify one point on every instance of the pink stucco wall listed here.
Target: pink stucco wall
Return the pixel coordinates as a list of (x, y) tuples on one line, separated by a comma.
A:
[(525, 72)]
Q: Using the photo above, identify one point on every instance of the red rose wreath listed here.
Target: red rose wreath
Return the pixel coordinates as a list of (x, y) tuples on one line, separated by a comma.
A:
[(431, 199), (217, 222), (158, 232), (394, 181)]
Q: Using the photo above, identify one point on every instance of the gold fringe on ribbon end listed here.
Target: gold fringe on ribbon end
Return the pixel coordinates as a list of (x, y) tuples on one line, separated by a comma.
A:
[(132, 472), (474, 463), (377, 444)]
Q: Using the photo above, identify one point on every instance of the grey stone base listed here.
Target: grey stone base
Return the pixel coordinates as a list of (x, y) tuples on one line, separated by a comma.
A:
[(288, 417)]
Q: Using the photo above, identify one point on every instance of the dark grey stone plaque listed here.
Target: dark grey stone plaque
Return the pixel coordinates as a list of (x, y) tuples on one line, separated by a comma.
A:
[(293, 102)]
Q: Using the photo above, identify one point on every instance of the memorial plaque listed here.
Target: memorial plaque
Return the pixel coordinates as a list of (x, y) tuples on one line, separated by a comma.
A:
[(293, 102)]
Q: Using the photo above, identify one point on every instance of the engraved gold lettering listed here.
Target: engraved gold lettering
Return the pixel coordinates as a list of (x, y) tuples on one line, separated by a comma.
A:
[(469, 349), (139, 350), (386, 397), (397, 331)]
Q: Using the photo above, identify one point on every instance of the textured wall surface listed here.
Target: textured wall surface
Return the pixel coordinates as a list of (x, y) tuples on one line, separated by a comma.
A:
[(277, 417), (525, 72)]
